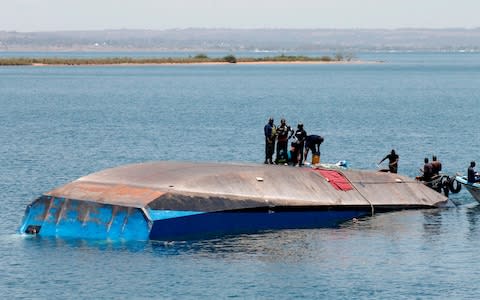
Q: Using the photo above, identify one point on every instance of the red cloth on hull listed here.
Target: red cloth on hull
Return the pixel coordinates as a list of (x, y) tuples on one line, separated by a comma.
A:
[(336, 179)]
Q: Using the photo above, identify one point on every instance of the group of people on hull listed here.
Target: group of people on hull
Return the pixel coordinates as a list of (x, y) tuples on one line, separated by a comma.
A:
[(302, 143), (430, 169), (299, 147)]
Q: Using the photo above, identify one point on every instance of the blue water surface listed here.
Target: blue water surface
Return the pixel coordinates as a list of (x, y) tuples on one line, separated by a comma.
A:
[(60, 123)]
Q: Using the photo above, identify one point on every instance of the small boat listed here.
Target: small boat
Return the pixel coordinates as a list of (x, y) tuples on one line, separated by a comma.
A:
[(443, 183), (183, 200), (473, 188)]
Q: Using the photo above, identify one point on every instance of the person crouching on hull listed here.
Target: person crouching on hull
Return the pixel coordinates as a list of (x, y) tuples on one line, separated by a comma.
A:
[(312, 142)]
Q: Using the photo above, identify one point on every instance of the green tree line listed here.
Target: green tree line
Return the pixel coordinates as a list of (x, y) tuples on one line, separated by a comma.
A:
[(199, 58)]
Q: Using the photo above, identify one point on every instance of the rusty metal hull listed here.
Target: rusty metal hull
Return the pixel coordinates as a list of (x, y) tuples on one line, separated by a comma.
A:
[(181, 200)]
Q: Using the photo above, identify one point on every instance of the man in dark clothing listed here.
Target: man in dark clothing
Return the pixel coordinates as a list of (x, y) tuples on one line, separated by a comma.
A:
[(427, 171), (299, 143), (312, 142), (472, 175), (270, 132), (392, 162), (282, 141), (436, 165)]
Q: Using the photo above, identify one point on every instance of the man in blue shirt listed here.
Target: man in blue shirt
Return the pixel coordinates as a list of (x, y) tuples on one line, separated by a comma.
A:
[(270, 132)]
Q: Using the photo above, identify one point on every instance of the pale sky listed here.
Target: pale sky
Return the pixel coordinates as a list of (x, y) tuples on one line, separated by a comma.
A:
[(53, 15)]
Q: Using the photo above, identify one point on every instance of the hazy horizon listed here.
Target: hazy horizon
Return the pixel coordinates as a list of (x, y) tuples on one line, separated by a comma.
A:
[(245, 40), (88, 15), (233, 28)]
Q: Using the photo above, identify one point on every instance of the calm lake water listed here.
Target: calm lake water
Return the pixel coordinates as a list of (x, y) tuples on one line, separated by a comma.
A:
[(60, 123)]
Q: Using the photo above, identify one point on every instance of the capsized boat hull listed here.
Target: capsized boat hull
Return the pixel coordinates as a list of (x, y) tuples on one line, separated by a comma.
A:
[(472, 188), (177, 201)]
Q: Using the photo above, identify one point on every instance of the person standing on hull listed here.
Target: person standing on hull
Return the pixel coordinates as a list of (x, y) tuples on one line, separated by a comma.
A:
[(270, 133), (472, 176), (436, 166), (299, 143), (392, 162), (283, 130), (312, 142), (427, 171)]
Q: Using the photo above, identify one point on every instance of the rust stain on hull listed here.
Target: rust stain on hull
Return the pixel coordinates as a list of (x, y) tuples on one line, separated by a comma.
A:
[(216, 187), (107, 193)]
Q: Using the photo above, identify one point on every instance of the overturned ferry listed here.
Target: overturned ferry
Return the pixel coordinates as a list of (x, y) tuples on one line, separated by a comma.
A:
[(183, 200)]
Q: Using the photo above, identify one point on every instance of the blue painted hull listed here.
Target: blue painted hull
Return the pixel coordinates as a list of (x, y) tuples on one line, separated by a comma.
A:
[(59, 217), (223, 223)]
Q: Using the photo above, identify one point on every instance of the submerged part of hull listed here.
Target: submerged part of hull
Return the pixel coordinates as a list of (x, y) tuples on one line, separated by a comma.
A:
[(51, 216), (173, 200)]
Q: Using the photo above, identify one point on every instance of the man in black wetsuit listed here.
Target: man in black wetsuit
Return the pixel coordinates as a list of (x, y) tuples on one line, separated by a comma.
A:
[(299, 143), (392, 162), (312, 142), (473, 176)]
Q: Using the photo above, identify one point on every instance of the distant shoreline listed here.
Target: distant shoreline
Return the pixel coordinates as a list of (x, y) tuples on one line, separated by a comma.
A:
[(199, 59), (209, 63)]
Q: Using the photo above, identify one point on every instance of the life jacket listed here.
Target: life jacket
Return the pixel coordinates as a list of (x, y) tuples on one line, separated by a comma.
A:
[(282, 132), (274, 131), (300, 135)]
